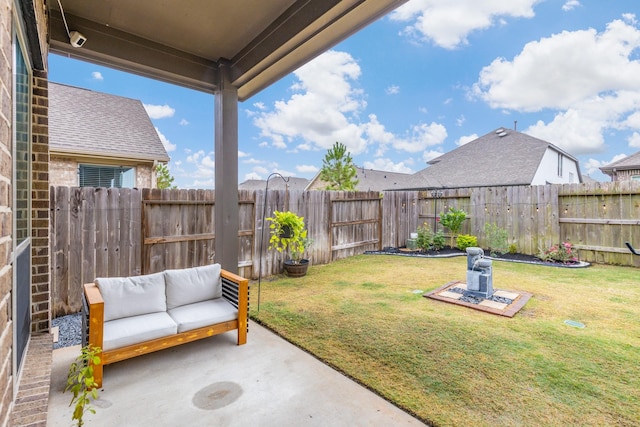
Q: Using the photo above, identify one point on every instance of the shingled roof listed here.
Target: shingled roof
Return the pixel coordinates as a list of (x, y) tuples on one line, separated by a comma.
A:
[(502, 157), (295, 184), (628, 163), (85, 122)]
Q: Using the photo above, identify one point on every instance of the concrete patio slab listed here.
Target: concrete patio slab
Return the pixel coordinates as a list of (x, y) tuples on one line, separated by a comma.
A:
[(213, 382)]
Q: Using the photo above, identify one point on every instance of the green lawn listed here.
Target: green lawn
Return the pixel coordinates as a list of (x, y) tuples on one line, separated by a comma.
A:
[(454, 366)]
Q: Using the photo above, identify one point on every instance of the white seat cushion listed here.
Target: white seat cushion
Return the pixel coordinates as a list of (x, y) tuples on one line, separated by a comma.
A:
[(204, 313), (191, 285), (132, 296), (133, 330)]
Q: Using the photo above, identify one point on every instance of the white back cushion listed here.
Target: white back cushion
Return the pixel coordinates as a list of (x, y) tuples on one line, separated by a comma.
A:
[(191, 285), (132, 296)]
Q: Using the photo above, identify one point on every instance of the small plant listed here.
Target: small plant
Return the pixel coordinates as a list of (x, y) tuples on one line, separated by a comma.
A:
[(425, 237), (453, 220), (513, 248), (496, 238), (296, 242), (81, 383), (563, 253), (438, 240), (465, 241)]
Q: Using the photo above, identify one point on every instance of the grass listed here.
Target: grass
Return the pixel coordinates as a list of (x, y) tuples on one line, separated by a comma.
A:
[(451, 365)]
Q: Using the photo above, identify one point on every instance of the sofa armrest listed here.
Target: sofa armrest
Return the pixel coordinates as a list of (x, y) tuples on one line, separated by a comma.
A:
[(95, 305), (235, 289)]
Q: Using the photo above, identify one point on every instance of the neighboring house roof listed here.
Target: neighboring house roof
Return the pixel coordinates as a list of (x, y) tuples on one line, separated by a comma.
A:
[(274, 184), (629, 162), (89, 123), (503, 157), (368, 180)]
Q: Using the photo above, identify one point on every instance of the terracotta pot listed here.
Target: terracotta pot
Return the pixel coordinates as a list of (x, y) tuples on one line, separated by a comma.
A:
[(296, 270)]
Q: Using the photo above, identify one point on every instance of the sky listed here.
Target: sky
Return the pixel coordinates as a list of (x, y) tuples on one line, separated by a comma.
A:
[(428, 77)]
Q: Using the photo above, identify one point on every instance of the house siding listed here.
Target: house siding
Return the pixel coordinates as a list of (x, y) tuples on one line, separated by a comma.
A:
[(547, 172), (625, 175)]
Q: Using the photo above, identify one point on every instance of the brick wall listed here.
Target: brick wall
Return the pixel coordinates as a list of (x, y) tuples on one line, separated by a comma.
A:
[(63, 171), (6, 274), (40, 261)]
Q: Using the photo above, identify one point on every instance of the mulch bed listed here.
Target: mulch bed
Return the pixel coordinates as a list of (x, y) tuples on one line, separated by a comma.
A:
[(452, 252)]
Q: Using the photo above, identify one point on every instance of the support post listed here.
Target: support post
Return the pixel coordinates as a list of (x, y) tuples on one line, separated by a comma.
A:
[(226, 170)]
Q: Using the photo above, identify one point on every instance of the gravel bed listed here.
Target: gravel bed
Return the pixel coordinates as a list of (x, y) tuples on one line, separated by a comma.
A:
[(473, 299), (69, 330)]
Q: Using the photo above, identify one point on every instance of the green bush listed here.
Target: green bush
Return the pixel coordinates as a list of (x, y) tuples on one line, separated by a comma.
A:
[(453, 220), (496, 238), (425, 237), (513, 249), (438, 240), (466, 241), (428, 240)]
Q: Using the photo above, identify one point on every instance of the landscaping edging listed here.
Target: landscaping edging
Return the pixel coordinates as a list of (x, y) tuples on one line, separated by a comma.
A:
[(445, 254)]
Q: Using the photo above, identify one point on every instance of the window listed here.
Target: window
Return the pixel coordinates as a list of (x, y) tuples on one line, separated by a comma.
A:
[(22, 144), (107, 176), (635, 177), (560, 161)]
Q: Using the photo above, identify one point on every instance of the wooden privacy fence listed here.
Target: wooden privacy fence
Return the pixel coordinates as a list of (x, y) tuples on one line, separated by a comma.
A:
[(99, 232)]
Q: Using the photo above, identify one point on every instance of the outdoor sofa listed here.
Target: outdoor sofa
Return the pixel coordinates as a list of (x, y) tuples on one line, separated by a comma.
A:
[(131, 316)]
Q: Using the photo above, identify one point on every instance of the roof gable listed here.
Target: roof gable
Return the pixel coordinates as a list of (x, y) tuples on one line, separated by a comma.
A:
[(86, 122), (501, 157)]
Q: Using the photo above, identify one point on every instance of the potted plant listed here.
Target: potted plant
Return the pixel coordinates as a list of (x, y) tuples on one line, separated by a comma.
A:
[(288, 234)]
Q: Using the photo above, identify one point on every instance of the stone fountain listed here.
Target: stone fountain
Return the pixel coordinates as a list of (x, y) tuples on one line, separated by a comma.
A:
[(479, 274)]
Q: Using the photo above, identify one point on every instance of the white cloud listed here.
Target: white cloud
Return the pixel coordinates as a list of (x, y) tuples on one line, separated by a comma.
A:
[(466, 139), (242, 154), (431, 154), (387, 165), (159, 111), (204, 165), (592, 166), (570, 5), (630, 18), (252, 175), (97, 75), (460, 120), (322, 108), (634, 140), (393, 90), (556, 73), (184, 122), (448, 23), (168, 146), (307, 169), (589, 93)]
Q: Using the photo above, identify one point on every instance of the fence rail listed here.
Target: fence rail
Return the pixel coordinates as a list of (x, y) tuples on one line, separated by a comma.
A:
[(98, 232)]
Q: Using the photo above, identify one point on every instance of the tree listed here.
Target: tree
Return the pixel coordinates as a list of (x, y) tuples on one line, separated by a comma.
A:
[(338, 170), (163, 177)]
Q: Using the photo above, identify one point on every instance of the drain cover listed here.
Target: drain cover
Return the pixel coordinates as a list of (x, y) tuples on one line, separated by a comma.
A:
[(217, 395), (574, 323)]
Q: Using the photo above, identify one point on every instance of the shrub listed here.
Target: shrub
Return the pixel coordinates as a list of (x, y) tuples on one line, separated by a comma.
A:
[(438, 240), (425, 237), (496, 238), (465, 241), (453, 220), (513, 249), (562, 253)]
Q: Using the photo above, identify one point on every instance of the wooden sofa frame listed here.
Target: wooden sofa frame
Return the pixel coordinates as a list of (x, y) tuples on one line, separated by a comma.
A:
[(235, 290)]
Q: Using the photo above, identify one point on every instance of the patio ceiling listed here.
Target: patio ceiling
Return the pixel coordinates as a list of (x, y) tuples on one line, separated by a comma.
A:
[(183, 42)]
